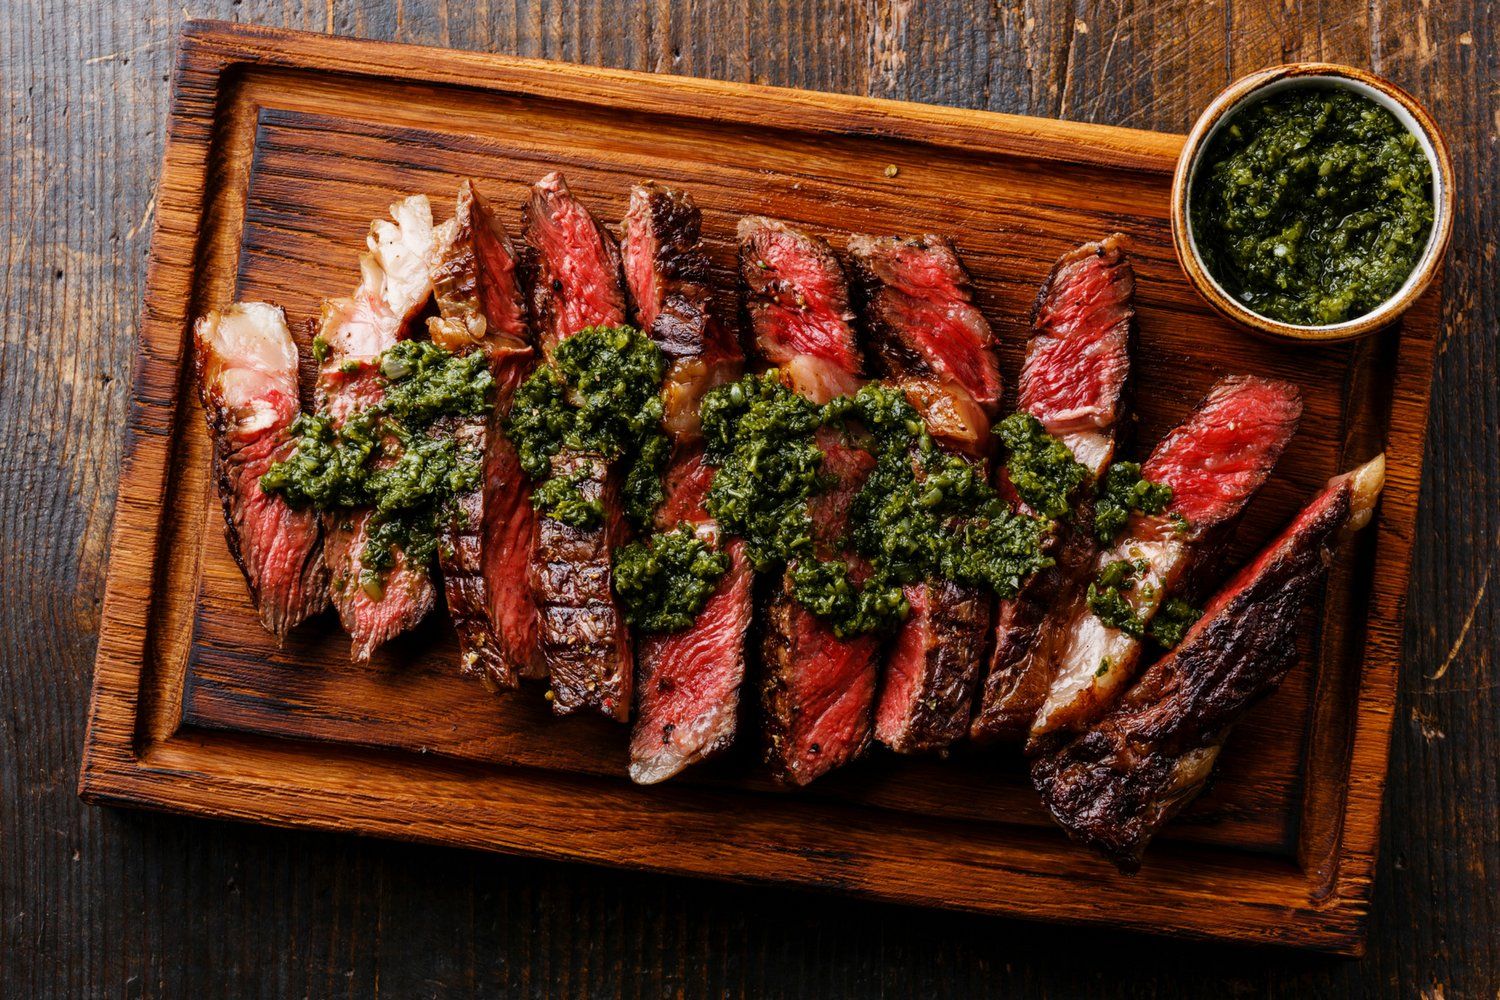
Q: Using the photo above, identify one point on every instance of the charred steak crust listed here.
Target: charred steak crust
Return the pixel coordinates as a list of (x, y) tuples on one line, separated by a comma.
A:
[(667, 270), (1118, 782), (581, 632)]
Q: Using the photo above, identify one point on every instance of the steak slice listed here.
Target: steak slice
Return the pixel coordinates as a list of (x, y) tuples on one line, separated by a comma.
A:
[(917, 306), (818, 690), (577, 278), (667, 274), (1215, 461), (797, 301), (395, 284), (581, 633), (1072, 381), (245, 364), (488, 546), (931, 667), (1121, 779), (687, 682)]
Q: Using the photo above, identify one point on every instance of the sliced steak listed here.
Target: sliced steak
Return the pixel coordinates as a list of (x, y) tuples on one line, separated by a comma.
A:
[(928, 683), (687, 682), (577, 277), (245, 364), (581, 632), (667, 274), (486, 550), (1073, 379), (917, 307), (1215, 461), (797, 301), (395, 285), (576, 284), (818, 690), (917, 310), (1124, 776)]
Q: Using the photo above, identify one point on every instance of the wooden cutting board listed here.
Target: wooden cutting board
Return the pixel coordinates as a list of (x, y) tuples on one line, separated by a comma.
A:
[(284, 145)]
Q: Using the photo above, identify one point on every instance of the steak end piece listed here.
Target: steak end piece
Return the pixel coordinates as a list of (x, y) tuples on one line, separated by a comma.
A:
[(797, 301), (245, 365), (576, 281), (581, 632), (1119, 781), (917, 306)]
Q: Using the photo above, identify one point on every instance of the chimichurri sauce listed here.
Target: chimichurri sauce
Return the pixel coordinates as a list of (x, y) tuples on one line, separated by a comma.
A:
[(390, 457), (1313, 205)]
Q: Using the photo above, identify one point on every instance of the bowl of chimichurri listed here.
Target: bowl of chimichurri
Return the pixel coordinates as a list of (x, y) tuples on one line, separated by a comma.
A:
[(1312, 202)]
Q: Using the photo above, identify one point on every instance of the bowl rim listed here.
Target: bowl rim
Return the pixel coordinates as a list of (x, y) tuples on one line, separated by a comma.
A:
[(1250, 87)]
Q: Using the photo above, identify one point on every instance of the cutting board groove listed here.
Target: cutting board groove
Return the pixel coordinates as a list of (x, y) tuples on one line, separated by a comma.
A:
[(282, 147)]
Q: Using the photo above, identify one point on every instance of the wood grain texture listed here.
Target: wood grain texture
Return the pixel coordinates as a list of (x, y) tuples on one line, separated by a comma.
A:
[(95, 903)]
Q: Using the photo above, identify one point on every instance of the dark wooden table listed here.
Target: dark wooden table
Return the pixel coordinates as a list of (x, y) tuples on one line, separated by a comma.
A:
[(102, 903)]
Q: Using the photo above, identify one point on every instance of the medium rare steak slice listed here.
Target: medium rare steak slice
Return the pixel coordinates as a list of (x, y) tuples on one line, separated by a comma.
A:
[(577, 280), (667, 274), (687, 682), (1073, 378), (246, 368), (797, 301), (395, 285), (585, 644), (930, 670), (488, 547), (581, 631), (1215, 461), (1124, 776), (818, 690), (917, 305)]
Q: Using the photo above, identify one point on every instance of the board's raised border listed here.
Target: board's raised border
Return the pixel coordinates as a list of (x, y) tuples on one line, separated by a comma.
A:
[(135, 754)]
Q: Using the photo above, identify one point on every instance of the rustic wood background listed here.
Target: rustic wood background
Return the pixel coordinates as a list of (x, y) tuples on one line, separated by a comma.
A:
[(102, 903)]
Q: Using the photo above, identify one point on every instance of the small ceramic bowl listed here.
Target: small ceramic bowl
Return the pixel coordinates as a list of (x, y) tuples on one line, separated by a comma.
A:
[(1260, 85)]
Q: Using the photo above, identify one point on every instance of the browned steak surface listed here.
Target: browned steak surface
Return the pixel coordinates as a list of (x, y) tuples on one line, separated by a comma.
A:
[(580, 631), (928, 681), (1115, 785)]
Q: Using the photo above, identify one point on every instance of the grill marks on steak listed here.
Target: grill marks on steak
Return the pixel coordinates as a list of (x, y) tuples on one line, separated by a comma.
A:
[(488, 547), (1073, 380), (917, 305), (245, 364), (687, 682), (797, 301), (395, 284), (1120, 780), (581, 633), (1215, 461), (930, 669), (818, 690), (577, 280)]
